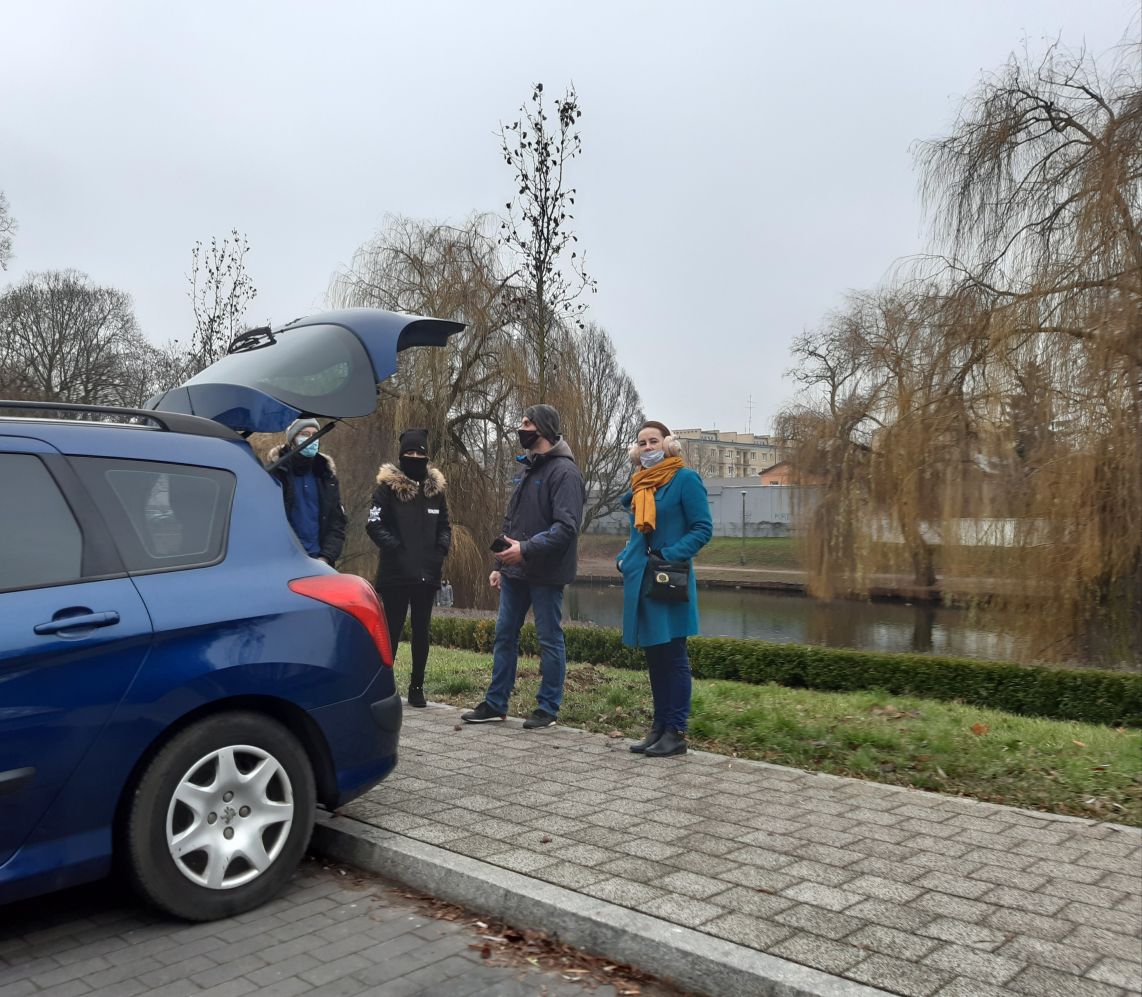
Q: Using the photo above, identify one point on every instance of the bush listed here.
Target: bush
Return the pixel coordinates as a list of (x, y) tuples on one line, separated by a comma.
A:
[(1063, 694)]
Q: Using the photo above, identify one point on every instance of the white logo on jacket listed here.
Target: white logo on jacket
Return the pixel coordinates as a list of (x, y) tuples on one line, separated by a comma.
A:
[(374, 514)]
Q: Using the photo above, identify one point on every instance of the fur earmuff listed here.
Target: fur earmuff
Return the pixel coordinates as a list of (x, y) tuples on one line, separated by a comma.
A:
[(672, 447)]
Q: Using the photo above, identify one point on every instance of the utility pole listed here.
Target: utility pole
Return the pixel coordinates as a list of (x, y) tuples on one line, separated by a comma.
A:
[(743, 529), (749, 416)]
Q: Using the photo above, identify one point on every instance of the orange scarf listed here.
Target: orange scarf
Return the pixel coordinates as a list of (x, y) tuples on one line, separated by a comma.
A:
[(644, 483)]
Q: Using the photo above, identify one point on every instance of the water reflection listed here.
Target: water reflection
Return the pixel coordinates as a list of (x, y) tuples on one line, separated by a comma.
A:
[(794, 619)]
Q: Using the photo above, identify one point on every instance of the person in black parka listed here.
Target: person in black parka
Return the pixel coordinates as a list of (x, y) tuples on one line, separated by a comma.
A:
[(408, 521)]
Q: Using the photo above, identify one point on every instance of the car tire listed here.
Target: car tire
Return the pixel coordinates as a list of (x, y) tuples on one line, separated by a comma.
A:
[(220, 817)]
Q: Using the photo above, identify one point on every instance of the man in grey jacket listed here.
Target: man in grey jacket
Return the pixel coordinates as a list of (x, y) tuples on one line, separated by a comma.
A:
[(537, 559)]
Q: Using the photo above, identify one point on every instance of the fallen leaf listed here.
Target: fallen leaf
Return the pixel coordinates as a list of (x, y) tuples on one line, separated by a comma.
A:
[(545, 840), (979, 729), (614, 733), (486, 952), (457, 727), (1079, 743)]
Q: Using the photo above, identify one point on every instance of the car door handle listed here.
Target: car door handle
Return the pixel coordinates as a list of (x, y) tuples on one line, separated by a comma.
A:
[(88, 621)]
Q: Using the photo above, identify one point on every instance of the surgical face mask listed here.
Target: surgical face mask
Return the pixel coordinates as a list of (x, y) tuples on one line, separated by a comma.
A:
[(528, 438), (649, 458), (310, 449)]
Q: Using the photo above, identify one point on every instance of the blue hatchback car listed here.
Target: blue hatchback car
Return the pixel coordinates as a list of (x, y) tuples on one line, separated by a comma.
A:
[(180, 684)]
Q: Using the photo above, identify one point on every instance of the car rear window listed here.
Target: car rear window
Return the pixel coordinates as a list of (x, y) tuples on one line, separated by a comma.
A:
[(162, 515)]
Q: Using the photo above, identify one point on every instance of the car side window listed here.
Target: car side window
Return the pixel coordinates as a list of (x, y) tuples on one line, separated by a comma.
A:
[(162, 515), (41, 543)]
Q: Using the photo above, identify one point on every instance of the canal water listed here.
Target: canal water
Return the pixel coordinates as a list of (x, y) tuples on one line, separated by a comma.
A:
[(796, 619)]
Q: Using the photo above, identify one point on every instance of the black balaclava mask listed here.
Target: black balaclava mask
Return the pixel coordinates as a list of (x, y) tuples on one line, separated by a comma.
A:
[(414, 453)]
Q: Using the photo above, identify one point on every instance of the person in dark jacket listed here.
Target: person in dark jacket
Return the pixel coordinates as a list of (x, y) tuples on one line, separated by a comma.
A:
[(669, 515), (311, 492), (408, 521), (536, 560)]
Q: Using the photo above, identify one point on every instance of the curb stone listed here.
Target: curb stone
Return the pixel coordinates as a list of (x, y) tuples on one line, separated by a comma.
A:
[(683, 956)]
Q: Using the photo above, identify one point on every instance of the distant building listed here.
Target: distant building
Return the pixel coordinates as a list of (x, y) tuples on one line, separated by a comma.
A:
[(782, 473), (716, 454)]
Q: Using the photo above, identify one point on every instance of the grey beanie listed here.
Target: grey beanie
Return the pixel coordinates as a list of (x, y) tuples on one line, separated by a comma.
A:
[(546, 421), (297, 426)]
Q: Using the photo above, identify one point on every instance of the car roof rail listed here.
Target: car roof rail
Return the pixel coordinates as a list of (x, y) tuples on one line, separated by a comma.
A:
[(170, 422)]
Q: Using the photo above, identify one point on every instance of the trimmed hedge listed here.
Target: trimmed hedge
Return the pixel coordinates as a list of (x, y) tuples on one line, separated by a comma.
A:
[(1092, 696)]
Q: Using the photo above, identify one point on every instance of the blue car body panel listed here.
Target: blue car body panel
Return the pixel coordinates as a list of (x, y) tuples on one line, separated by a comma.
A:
[(82, 709)]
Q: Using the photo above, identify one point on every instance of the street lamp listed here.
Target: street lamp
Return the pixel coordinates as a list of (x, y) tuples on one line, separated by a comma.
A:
[(743, 528)]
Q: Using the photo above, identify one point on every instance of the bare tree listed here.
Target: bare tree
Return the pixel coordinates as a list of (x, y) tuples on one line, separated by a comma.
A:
[(601, 410), (220, 291), (465, 394), (67, 338), (7, 228), (551, 277)]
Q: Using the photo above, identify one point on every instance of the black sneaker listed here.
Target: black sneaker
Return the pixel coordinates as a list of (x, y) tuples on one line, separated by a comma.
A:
[(483, 714), (539, 719)]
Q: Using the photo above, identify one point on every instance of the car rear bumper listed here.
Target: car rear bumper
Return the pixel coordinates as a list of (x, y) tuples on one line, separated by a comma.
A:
[(363, 736)]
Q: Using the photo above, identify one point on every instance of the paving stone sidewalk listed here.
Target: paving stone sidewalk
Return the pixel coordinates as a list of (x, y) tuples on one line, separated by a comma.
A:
[(908, 891)]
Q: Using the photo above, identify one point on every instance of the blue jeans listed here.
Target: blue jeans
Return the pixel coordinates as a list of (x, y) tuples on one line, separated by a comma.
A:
[(669, 667), (516, 597)]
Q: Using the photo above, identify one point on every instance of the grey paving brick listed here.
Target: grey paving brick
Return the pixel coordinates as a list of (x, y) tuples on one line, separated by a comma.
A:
[(680, 909), (975, 936), (522, 860), (832, 957), (999, 876), (822, 896), (1121, 921), (1066, 870), (690, 885), (335, 969), (589, 855), (815, 872), (884, 889), (702, 864), (890, 941), (286, 967), (957, 886), (891, 914), (747, 901), (1095, 896), (635, 869), (1109, 943), (960, 960), (826, 923), (944, 905), (746, 930), (65, 974), (570, 875), (1039, 981), (1123, 882), (120, 972), (972, 988), (231, 988), (623, 892), (885, 869), (72, 988), (1036, 951), (229, 970), (1117, 973), (898, 976)]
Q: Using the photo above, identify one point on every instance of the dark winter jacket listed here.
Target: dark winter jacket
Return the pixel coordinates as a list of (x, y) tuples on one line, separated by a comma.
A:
[(544, 514), (408, 521), (330, 513)]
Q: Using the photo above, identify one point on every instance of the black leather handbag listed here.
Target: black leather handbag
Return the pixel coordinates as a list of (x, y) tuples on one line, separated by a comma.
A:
[(668, 581)]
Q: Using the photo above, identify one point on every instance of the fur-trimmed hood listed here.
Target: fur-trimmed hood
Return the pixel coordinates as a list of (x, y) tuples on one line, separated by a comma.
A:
[(404, 488), (276, 452)]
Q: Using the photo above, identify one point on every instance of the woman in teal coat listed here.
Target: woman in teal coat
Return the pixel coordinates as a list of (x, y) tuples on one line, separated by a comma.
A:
[(670, 515)]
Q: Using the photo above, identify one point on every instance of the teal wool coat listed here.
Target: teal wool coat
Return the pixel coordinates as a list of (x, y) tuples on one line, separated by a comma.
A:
[(683, 527)]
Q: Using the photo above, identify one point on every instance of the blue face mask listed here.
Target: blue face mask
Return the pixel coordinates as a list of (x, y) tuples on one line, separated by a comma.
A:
[(310, 449), (649, 458)]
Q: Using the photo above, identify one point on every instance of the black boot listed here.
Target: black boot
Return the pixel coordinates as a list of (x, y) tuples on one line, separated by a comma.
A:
[(655, 733), (416, 696), (672, 742)]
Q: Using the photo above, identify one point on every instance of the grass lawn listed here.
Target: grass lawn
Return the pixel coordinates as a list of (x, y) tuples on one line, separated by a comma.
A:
[(760, 552), (1067, 768)]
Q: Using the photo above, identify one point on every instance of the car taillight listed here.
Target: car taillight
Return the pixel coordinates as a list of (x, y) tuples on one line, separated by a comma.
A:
[(354, 596)]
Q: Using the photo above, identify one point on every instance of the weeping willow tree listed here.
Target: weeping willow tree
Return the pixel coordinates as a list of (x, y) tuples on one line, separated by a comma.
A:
[(981, 421), (464, 393)]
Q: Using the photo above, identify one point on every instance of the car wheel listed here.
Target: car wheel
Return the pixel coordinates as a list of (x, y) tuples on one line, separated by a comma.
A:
[(220, 817)]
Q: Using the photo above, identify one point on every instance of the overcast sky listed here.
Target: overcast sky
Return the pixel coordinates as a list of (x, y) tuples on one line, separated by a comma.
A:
[(744, 164)]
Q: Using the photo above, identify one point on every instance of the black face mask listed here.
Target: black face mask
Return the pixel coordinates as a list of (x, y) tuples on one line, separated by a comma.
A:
[(415, 467), (528, 438)]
